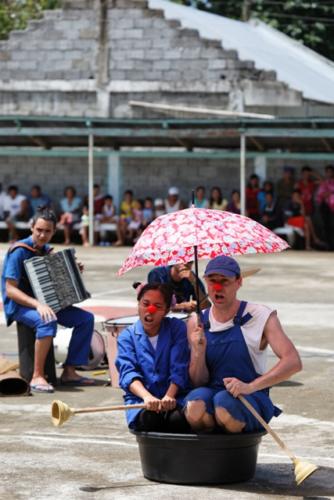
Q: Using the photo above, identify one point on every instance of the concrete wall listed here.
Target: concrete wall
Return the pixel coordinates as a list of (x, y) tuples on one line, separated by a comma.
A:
[(94, 56)]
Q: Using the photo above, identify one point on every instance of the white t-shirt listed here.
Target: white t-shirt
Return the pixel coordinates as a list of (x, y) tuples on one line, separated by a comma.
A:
[(252, 332), (172, 208), (13, 205), (154, 341)]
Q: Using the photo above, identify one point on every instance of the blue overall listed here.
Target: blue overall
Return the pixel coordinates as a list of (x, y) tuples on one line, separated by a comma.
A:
[(156, 369), (227, 356), (81, 321)]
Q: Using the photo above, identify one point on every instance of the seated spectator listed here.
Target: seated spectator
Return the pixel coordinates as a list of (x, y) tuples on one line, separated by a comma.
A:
[(38, 199), (128, 205), (252, 191), (217, 202), (267, 187), (173, 202), (135, 225), (272, 214), (98, 199), (200, 200), (84, 229), (183, 283), (285, 186), (234, 204), (307, 186), (108, 212), (152, 361), (16, 209), (159, 207), (147, 213), (70, 207), (107, 216), (297, 218), (325, 198)]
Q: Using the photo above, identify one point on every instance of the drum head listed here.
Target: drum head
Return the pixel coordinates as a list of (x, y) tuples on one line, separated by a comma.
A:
[(118, 324)]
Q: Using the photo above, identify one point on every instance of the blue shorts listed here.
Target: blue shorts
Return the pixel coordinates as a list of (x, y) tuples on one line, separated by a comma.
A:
[(220, 398)]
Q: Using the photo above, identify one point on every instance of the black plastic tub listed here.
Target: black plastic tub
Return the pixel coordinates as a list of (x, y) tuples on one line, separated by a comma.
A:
[(198, 459)]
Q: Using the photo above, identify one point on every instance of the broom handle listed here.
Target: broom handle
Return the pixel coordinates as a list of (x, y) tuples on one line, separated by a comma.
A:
[(96, 409), (267, 427)]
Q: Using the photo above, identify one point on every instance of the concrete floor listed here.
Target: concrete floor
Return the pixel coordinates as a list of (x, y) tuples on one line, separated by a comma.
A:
[(93, 456)]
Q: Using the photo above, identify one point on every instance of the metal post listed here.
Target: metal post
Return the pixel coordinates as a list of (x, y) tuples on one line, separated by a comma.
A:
[(91, 188), (243, 174)]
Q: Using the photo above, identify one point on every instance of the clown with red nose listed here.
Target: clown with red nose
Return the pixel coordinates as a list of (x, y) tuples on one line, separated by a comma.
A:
[(228, 355), (153, 360)]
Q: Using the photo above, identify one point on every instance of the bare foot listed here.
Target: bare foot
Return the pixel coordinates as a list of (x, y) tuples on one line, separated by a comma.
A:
[(118, 243)]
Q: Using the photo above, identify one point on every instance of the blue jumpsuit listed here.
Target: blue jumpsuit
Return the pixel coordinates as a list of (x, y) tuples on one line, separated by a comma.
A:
[(227, 356), (81, 321), (156, 369)]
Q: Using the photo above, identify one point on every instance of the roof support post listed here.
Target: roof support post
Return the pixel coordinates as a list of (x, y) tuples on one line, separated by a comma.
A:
[(91, 188), (243, 173), (115, 177)]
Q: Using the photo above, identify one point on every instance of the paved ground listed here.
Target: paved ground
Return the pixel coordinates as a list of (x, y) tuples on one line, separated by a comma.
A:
[(94, 457)]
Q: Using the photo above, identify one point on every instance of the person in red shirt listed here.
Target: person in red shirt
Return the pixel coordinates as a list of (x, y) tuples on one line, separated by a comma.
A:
[(252, 203), (307, 186)]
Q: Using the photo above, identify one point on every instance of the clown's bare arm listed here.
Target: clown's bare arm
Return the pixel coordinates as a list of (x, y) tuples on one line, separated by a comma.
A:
[(288, 363)]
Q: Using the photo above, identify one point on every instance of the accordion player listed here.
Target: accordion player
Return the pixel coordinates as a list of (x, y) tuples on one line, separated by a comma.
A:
[(56, 279)]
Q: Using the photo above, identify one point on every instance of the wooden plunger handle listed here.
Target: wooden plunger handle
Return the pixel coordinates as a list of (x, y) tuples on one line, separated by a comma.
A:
[(95, 409), (267, 427)]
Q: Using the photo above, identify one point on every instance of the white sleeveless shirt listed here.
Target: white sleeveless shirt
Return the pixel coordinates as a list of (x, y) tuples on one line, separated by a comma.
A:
[(252, 332)]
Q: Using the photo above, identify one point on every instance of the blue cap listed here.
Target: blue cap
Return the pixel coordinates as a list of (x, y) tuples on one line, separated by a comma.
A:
[(223, 265)]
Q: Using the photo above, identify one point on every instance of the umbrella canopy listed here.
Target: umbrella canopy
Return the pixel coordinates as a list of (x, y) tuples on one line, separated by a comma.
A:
[(175, 237)]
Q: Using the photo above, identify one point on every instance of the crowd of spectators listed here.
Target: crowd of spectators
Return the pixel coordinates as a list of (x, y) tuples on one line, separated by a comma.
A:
[(298, 202), (293, 200)]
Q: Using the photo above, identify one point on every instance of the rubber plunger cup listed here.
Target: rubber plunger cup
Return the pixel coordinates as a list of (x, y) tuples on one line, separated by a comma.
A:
[(60, 412), (303, 470)]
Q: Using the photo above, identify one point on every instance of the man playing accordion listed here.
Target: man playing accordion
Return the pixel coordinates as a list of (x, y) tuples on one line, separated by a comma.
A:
[(21, 305)]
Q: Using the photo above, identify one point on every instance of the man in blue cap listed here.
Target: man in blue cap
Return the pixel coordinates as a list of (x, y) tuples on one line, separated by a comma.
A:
[(228, 355)]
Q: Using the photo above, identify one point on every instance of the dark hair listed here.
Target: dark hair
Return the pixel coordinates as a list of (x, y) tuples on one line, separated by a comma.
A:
[(306, 168), (165, 290), (13, 187), (253, 177), (70, 188), (46, 214), (220, 195)]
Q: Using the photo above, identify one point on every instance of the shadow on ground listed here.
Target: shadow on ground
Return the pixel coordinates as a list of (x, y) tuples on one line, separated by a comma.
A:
[(319, 486)]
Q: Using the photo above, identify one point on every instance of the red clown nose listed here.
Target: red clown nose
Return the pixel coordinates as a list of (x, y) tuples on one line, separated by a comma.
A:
[(152, 309), (217, 287)]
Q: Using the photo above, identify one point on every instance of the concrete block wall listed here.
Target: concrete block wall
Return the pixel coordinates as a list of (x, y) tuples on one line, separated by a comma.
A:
[(53, 174), (132, 44), (146, 46), (60, 46)]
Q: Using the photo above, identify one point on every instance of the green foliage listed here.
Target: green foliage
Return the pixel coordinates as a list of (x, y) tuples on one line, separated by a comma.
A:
[(308, 21), (15, 14)]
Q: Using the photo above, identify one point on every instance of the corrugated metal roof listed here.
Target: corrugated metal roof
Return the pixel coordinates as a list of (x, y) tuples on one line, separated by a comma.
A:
[(296, 65)]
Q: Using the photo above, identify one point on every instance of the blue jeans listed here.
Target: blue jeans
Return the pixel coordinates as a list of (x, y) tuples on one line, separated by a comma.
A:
[(81, 321)]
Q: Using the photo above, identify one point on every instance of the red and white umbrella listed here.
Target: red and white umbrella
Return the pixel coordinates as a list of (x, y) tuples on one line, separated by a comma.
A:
[(186, 235)]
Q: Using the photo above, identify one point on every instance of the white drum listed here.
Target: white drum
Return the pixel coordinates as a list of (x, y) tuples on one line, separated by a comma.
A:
[(113, 328), (97, 348)]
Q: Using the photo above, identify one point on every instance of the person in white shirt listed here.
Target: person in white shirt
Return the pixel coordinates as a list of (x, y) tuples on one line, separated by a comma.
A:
[(16, 208), (228, 356), (173, 202)]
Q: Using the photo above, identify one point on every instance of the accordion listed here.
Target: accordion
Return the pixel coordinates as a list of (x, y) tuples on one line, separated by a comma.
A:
[(56, 279)]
